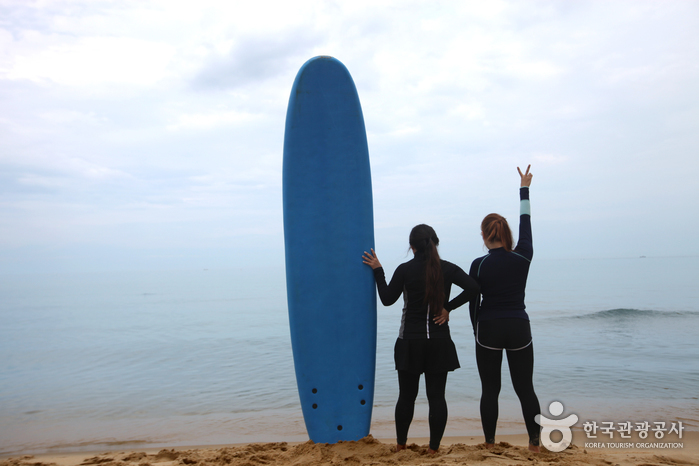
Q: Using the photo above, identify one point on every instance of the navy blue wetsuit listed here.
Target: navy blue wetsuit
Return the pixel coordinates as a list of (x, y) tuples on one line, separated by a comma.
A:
[(501, 322)]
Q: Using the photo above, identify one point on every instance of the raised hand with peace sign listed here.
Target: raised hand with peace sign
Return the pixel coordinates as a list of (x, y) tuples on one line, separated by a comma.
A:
[(526, 178)]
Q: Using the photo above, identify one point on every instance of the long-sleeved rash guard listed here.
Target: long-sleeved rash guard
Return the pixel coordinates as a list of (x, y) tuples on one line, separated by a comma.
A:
[(409, 281), (502, 275)]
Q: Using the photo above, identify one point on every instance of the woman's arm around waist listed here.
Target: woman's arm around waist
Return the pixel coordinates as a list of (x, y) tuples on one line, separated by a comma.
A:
[(467, 284)]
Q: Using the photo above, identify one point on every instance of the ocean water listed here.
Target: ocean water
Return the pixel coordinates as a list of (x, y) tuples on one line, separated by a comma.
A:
[(200, 357)]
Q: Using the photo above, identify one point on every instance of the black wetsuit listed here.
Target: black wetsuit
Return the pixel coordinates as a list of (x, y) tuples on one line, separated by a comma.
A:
[(422, 345), (501, 322)]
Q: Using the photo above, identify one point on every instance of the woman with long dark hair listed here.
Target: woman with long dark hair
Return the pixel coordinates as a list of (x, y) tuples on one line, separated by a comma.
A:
[(424, 343), (499, 319)]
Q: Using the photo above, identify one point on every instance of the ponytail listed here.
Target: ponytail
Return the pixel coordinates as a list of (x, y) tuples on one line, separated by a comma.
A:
[(495, 228), (424, 240)]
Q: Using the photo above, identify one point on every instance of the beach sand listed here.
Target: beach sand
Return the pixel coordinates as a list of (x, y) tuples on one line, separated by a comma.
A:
[(510, 450)]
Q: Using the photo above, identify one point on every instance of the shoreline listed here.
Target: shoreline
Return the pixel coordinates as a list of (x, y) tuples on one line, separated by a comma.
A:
[(35, 437), (134, 435), (466, 449)]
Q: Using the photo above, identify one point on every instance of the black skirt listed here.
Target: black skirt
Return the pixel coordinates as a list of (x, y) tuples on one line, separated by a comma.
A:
[(425, 355)]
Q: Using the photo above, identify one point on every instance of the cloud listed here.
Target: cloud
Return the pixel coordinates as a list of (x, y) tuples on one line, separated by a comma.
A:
[(210, 120), (92, 61), (253, 60), (129, 122)]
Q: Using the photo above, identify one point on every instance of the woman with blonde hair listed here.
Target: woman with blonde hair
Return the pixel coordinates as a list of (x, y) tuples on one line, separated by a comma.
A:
[(499, 317)]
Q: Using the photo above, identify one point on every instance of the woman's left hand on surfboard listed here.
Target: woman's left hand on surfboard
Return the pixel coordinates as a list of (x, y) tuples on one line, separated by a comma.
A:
[(371, 260)]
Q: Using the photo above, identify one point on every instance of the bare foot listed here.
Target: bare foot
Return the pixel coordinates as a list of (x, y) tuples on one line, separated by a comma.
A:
[(431, 451), (489, 445), (400, 447), (534, 448)]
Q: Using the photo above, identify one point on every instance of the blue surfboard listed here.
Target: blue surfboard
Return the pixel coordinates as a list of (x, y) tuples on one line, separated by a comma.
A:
[(328, 223)]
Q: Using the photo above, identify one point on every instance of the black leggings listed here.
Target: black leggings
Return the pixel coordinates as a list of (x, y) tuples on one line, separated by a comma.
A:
[(514, 335), (409, 383)]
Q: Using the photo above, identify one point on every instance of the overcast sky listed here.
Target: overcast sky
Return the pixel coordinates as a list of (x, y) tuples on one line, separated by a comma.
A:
[(149, 134)]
